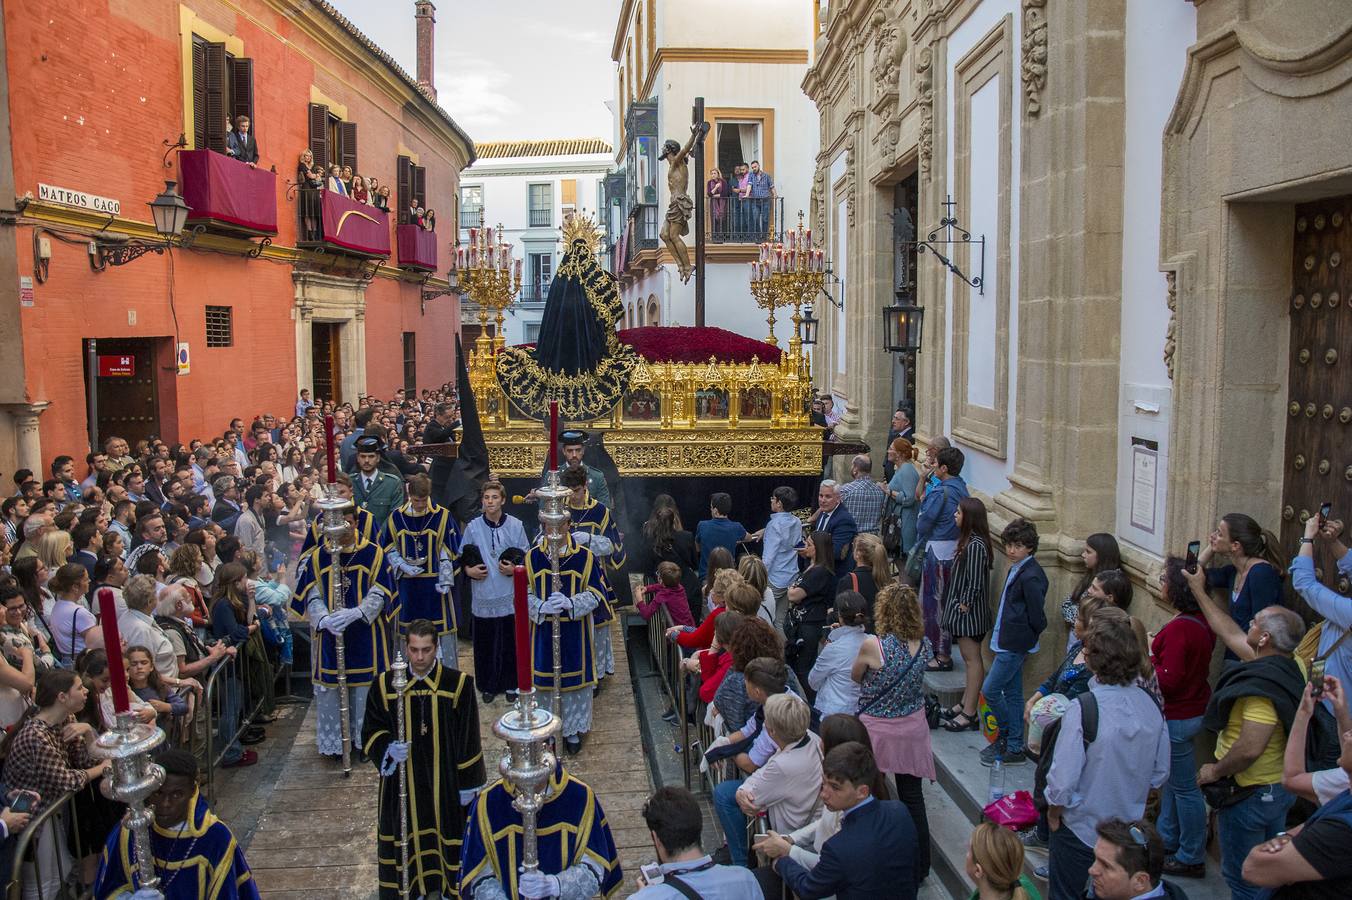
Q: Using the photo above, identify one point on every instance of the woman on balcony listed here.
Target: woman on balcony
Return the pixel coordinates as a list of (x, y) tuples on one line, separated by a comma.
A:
[(717, 190), (429, 222), (359, 192), (335, 182)]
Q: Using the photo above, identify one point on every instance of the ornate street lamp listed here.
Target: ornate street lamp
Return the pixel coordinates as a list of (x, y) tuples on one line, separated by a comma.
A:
[(807, 327), (903, 322), (169, 213)]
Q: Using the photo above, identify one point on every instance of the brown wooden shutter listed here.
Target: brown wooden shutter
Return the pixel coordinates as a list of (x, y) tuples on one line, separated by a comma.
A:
[(319, 136), (199, 94), (215, 96), (420, 185), (241, 90), (347, 145), (404, 173)]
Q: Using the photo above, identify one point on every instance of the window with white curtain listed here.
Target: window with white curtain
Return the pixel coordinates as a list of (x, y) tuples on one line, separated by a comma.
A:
[(738, 144)]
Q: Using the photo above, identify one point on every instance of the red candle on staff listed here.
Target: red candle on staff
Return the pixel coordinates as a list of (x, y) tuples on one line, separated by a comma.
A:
[(524, 682), (553, 435), (330, 449), (112, 641)]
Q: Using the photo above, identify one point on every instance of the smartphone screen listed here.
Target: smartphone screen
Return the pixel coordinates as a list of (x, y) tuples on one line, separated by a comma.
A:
[(22, 803), (1324, 509), (652, 873), (1194, 548), (1317, 679)]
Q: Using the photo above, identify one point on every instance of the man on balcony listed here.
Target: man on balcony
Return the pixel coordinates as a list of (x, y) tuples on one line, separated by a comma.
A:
[(762, 191), (241, 143)]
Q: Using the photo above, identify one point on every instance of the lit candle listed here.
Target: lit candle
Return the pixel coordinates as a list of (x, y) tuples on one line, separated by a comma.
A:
[(518, 270), (330, 449), (553, 435), (809, 236), (112, 641), (524, 682)]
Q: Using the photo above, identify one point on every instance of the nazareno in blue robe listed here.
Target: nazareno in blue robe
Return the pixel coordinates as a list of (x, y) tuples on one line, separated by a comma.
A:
[(571, 828), (200, 860)]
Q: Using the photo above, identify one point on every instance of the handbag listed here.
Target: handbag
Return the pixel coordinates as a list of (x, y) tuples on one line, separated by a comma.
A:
[(1013, 811), (889, 529), (1226, 792), (915, 564), (932, 711)]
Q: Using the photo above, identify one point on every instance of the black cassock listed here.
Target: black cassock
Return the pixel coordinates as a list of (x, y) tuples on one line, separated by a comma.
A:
[(441, 721)]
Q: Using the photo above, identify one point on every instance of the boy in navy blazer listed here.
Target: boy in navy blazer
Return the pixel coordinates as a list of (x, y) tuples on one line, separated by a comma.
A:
[(873, 854), (1019, 622)]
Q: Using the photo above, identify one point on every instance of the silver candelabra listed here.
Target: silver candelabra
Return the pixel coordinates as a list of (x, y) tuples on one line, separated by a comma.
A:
[(527, 730), (134, 778)]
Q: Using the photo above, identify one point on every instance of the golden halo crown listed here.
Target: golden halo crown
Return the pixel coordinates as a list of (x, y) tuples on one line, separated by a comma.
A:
[(580, 226)]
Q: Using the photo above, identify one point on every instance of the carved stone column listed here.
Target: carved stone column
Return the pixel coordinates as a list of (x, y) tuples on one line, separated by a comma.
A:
[(27, 437), (1070, 271)]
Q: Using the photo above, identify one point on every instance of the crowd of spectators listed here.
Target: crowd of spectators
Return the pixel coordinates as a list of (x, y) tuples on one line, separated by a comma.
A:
[(825, 637), (196, 543)]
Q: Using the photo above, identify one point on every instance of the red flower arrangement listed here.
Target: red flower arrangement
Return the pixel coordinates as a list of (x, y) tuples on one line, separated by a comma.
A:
[(696, 345)]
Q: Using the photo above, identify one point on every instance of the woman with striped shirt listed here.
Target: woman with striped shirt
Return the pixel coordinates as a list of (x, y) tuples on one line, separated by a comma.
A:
[(967, 608)]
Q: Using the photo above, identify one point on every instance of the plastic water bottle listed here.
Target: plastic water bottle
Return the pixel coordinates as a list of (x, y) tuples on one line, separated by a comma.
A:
[(997, 788)]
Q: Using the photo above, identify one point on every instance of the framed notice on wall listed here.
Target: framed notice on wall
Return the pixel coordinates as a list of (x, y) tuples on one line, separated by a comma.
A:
[(1144, 480)]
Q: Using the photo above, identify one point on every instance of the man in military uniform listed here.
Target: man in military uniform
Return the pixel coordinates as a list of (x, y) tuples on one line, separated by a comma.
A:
[(364, 523), (572, 442), (373, 489)]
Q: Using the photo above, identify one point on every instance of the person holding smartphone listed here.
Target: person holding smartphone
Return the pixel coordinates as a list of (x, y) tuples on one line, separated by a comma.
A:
[(1335, 649), (675, 822)]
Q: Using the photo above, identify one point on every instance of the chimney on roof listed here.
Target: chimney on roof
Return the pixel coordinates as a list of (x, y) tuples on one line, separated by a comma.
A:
[(425, 15)]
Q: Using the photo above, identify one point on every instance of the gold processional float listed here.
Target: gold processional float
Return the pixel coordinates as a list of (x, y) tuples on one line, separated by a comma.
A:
[(698, 401)]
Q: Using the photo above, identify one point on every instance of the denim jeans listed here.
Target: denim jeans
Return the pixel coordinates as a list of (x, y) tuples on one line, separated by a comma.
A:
[(1003, 689), (1182, 822), (1068, 862), (731, 817), (1250, 822)]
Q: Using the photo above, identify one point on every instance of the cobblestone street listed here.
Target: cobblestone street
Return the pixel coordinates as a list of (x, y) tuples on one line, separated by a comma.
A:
[(309, 833)]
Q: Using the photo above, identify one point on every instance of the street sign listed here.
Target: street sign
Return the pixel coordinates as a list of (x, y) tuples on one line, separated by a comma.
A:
[(117, 366), (26, 295), (79, 199), (183, 358)]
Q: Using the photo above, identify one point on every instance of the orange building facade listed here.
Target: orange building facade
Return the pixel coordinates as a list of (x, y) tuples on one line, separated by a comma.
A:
[(243, 310)]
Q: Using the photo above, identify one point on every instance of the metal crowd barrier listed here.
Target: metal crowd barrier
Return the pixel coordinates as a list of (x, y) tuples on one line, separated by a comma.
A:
[(52, 824), (667, 655), (227, 684)]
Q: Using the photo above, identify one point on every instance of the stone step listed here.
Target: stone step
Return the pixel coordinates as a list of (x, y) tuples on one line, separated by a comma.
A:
[(955, 801)]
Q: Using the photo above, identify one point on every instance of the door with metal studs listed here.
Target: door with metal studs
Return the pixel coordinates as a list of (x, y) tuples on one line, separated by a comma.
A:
[(1318, 460)]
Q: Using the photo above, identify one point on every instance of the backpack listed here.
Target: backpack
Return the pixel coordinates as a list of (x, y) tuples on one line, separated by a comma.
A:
[(1089, 717)]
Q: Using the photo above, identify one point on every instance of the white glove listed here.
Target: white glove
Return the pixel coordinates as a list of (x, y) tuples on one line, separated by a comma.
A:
[(557, 604), (397, 751), (334, 623), (409, 569), (538, 886), (581, 537)]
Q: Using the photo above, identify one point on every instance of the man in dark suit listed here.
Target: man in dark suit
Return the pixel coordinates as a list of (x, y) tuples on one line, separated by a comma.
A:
[(873, 854), (241, 143), (900, 428), (441, 430), (86, 539), (226, 509), (1020, 619), (836, 520)]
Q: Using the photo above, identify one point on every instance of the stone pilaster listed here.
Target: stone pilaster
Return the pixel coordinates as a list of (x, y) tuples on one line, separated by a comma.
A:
[(27, 438), (1070, 273)]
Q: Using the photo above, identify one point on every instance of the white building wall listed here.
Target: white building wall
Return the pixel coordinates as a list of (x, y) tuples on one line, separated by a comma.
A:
[(1158, 37), (983, 471), (705, 24), (506, 183)]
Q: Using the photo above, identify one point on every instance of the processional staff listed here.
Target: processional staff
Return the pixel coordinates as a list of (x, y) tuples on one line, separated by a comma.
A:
[(334, 528)]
